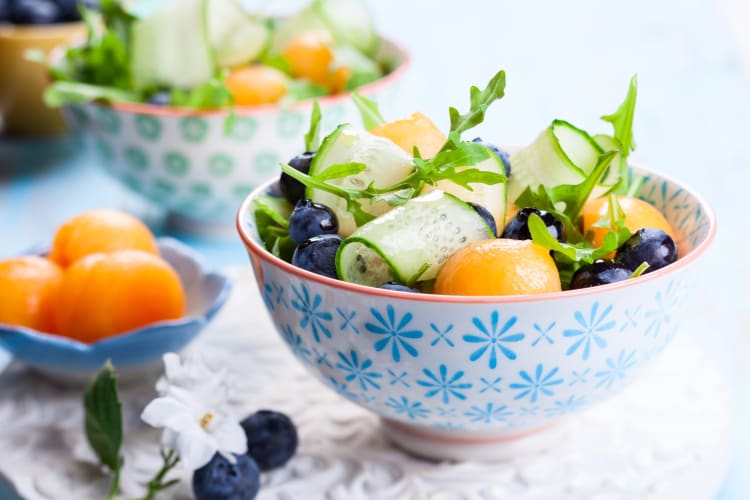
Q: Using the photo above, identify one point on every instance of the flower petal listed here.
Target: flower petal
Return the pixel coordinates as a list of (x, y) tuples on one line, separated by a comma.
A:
[(195, 449)]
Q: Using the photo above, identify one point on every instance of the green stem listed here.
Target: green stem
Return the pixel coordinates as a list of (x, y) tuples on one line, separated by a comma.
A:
[(115, 488), (156, 484)]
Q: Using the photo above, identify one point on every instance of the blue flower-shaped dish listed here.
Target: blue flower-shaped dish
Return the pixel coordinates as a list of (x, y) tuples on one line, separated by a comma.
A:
[(134, 351)]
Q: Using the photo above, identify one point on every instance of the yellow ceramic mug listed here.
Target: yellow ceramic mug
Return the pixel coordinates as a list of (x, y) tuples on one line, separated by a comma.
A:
[(22, 82)]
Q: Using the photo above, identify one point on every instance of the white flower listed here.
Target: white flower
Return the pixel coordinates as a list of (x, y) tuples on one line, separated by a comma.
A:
[(193, 409)]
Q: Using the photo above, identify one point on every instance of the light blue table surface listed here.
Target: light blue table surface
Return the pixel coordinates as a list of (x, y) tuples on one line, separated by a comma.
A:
[(569, 60)]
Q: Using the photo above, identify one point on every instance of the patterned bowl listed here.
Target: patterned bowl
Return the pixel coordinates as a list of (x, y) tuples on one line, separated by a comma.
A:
[(464, 377), (200, 165), (132, 352)]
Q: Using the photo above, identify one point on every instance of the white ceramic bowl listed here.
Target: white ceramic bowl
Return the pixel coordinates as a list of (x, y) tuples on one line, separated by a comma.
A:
[(193, 165), (457, 377)]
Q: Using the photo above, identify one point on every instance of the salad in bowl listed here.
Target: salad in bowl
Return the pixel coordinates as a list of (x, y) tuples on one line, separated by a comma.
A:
[(470, 295)]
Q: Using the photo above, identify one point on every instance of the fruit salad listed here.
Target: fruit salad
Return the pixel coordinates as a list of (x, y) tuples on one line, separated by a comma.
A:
[(404, 206), (214, 53)]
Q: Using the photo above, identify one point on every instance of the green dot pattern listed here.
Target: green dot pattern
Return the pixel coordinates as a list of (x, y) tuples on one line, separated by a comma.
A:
[(243, 128), (220, 165), (105, 149), (290, 125), (193, 129), (266, 163), (149, 128), (136, 158), (108, 120), (176, 164)]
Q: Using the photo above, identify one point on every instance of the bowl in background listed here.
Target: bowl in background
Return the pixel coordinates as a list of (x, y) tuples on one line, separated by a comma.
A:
[(132, 352), (465, 377), (199, 165), (22, 111)]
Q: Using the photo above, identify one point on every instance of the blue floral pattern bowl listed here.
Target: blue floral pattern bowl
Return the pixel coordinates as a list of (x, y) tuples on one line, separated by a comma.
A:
[(453, 377), (134, 351)]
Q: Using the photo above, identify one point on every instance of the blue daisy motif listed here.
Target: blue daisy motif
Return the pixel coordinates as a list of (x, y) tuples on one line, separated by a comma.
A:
[(489, 413), (311, 315), (354, 369), (321, 358), (398, 378), (444, 384), (616, 369), (347, 320), (294, 341), (448, 426), (490, 386), (543, 333), (591, 329), (369, 399), (660, 317), (532, 386), (342, 389), (492, 337), (413, 410), (579, 378), (561, 408), (393, 332), (442, 334)]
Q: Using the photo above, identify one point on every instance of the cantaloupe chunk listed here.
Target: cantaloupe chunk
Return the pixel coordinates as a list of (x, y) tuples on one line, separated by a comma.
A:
[(417, 130)]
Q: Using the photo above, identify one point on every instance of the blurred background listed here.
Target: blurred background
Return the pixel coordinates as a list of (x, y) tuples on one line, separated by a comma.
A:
[(570, 60)]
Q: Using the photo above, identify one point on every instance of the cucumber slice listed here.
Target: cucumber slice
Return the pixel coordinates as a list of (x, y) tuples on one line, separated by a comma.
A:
[(410, 242), (346, 22), (169, 47), (362, 67), (386, 164), (235, 36), (350, 22), (491, 197), (561, 154)]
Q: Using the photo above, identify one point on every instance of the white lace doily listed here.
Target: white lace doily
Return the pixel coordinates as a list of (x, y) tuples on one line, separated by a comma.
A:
[(666, 437)]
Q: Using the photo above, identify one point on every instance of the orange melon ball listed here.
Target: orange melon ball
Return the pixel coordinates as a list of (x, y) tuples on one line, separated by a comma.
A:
[(29, 289), (498, 267), (338, 79), (106, 294), (417, 130), (638, 215), (100, 231), (309, 57), (256, 84)]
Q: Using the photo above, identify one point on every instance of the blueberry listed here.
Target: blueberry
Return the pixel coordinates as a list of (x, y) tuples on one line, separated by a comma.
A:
[(34, 12), (600, 272), (486, 215), (392, 285), (310, 219), (499, 152), (160, 98), (221, 480), (5, 11), (68, 10), (518, 227), (653, 246), (271, 438), (293, 189), (318, 255)]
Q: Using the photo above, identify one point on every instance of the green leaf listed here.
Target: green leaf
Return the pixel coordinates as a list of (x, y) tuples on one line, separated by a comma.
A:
[(299, 90), (278, 209), (480, 102), (312, 137), (212, 94), (103, 417), (341, 170), (61, 93), (622, 123), (368, 110)]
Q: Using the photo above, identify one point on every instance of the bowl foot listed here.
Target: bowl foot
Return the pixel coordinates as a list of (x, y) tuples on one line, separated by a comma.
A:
[(440, 444)]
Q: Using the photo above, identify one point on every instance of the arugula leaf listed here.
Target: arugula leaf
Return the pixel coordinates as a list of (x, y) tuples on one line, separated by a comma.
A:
[(103, 417), (299, 90), (368, 110), (565, 201), (272, 219), (360, 78), (209, 95), (622, 123), (61, 92), (312, 137), (480, 102), (341, 170)]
